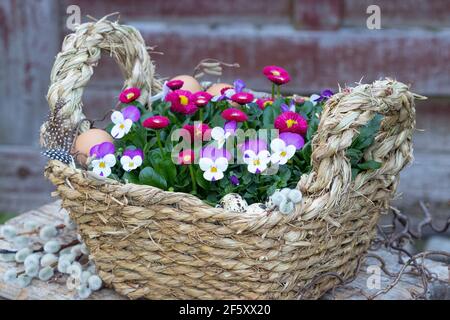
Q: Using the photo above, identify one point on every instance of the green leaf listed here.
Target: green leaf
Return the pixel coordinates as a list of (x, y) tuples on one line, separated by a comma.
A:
[(269, 116), (131, 177), (202, 182), (150, 177), (367, 133), (371, 164)]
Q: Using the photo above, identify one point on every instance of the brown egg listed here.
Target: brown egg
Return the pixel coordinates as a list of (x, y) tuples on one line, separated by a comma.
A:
[(215, 88), (86, 140), (190, 83)]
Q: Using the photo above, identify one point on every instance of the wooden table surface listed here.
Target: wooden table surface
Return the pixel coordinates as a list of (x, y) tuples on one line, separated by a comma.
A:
[(56, 289)]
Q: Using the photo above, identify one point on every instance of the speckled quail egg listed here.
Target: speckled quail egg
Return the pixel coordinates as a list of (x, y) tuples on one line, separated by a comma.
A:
[(234, 203), (256, 208)]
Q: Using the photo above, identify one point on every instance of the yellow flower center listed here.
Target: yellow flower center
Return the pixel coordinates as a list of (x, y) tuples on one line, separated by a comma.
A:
[(102, 165), (213, 169), (290, 122), (122, 126), (184, 100), (131, 164), (187, 158), (267, 103), (283, 153), (256, 162), (130, 95), (276, 73)]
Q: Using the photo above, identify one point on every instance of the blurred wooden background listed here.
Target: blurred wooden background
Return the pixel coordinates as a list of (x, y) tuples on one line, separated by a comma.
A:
[(321, 42)]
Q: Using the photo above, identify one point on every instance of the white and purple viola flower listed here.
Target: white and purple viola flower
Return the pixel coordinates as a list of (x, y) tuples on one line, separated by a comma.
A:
[(257, 162), (123, 120), (222, 134), (281, 152), (103, 158), (131, 159), (238, 86)]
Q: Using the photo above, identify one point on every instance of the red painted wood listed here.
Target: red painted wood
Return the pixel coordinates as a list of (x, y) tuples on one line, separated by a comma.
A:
[(399, 13), (318, 14)]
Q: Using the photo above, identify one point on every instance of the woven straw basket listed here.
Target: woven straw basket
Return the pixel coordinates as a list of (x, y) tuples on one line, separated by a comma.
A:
[(149, 243)]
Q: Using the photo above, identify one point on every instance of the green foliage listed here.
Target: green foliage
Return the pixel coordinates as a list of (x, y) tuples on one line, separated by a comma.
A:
[(359, 145), (159, 170)]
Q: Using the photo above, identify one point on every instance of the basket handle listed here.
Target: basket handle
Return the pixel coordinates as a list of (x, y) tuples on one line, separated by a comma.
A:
[(81, 52), (343, 115)]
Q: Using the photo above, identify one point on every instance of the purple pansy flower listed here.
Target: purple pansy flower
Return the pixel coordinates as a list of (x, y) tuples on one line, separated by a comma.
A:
[(285, 108), (102, 149), (131, 159), (234, 180), (214, 153), (104, 158), (255, 145), (294, 139), (132, 113)]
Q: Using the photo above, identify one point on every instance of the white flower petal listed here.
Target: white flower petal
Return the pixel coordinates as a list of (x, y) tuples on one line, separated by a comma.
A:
[(208, 175), (218, 133), (229, 93), (117, 117), (221, 164), (127, 123), (275, 158), (218, 175), (249, 155), (125, 160), (314, 97), (205, 164), (95, 163), (117, 132), (264, 156), (251, 168), (215, 98), (137, 160), (106, 172), (277, 145), (110, 160), (290, 151)]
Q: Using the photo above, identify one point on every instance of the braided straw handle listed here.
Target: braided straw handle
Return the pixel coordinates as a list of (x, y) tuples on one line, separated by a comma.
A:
[(81, 52), (330, 185)]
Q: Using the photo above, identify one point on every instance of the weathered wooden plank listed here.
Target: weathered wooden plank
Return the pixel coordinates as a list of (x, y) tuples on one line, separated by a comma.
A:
[(318, 14), (399, 13), (29, 40), (188, 10), (22, 183), (55, 288)]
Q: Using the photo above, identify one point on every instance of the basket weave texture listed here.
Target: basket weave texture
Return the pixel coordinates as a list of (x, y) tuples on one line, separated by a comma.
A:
[(149, 243)]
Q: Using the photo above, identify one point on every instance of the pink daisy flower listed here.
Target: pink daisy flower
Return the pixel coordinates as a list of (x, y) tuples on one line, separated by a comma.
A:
[(175, 84), (186, 157), (201, 98), (291, 122), (242, 97), (198, 131), (156, 122), (264, 103), (129, 95), (181, 102), (276, 74), (233, 114)]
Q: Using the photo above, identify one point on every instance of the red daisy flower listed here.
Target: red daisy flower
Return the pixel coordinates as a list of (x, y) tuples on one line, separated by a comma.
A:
[(175, 84), (276, 74), (181, 102), (198, 131), (233, 114), (129, 95), (291, 122), (242, 97), (201, 98), (186, 157), (156, 122), (264, 103)]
